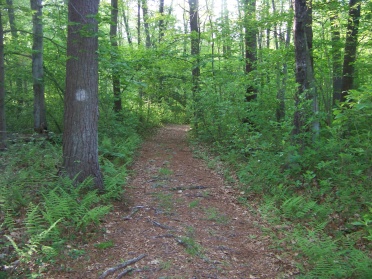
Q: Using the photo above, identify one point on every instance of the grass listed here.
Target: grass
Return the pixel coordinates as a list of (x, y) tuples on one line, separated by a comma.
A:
[(194, 203), (105, 245), (214, 215), (165, 201)]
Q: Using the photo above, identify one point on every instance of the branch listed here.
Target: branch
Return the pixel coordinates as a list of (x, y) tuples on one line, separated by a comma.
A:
[(112, 270)]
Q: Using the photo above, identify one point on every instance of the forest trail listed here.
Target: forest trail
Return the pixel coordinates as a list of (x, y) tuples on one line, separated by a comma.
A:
[(184, 218)]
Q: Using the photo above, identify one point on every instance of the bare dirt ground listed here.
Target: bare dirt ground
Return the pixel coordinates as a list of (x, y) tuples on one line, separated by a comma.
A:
[(182, 220)]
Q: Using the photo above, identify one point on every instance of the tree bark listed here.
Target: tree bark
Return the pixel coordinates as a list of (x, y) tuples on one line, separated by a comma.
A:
[(127, 30), (336, 52), (146, 23), (138, 22), (14, 33), (114, 53), (2, 88), (304, 74), (13, 28), (40, 121), (161, 20), (350, 49), (250, 41), (226, 32), (80, 137), (195, 52)]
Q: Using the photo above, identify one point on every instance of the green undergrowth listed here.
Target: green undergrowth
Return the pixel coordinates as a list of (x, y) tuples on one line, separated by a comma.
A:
[(44, 217), (321, 193)]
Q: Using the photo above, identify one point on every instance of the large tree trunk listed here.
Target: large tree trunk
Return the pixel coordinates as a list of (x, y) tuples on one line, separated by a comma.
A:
[(350, 48), (80, 137), (40, 122), (114, 53), (195, 52), (2, 88), (250, 40), (304, 74)]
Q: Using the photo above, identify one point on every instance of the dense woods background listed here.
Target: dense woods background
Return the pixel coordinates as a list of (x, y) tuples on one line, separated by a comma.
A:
[(279, 90)]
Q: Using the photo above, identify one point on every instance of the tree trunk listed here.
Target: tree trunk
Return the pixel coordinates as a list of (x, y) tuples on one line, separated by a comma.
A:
[(114, 54), (250, 40), (139, 22), (146, 23), (304, 74), (2, 88), (13, 28), (80, 137), (282, 75), (14, 33), (226, 32), (336, 52), (127, 30), (40, 122), (350, 48), (185, 30), (161, 20), (195, 52)]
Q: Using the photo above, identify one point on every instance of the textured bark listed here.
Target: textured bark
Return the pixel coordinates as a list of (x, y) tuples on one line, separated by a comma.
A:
[(146, 23), (114, 52), (40, 121), (80, 137), (195, 42), (2, 89), (304, 72), (195, 52), (250, 41), (350, 48)]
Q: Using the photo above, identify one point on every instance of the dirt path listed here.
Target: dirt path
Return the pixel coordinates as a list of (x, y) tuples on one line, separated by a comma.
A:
[(184, 218)]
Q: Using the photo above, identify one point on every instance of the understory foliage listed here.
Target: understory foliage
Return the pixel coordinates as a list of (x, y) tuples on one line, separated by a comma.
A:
[(322, 191), (43, 213)]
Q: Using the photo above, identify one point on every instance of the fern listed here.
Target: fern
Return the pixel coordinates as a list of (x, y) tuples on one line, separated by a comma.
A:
[(297, 207), (33, 246), (34, 221), (93, 216)]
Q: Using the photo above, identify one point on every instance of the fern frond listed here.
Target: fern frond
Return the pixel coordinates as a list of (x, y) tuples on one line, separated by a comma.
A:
[(94, 215), (34, 221)]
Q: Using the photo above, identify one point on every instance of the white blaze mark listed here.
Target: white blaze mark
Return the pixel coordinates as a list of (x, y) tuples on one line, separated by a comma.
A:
[(81, 95)]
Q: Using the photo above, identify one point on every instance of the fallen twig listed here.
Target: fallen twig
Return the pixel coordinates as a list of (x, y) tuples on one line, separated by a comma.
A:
[(160, 225), (134, 211), (198, 187), (126, 271), (119, 266), (164, 235)]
